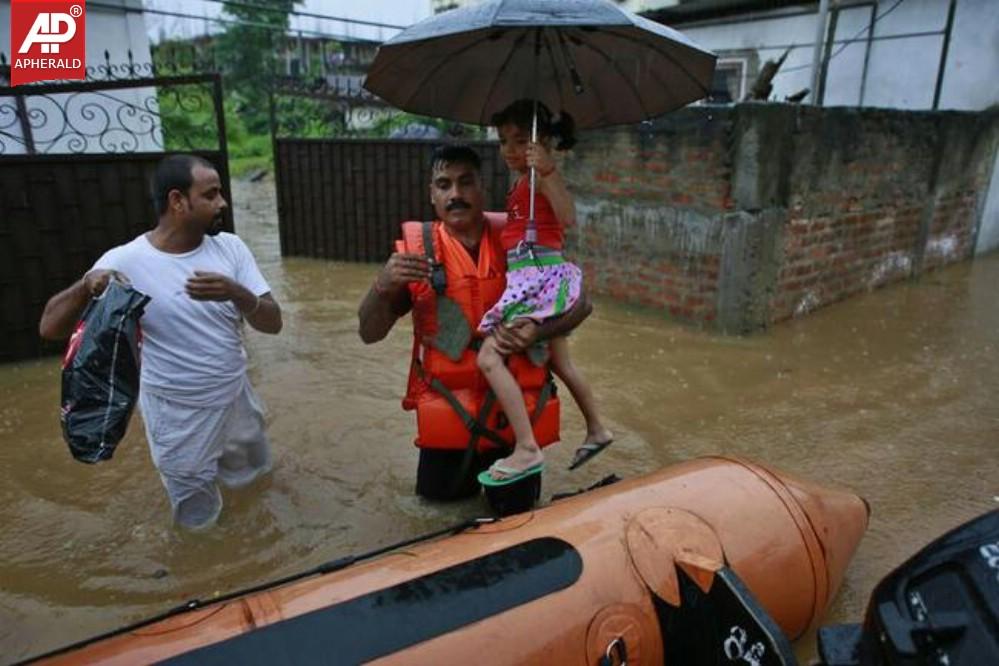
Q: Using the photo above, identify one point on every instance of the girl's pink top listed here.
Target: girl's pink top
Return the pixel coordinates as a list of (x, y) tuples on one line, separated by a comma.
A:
[(518, 202)]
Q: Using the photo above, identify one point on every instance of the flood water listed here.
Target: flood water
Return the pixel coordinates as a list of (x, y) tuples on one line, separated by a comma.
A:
[(892, 394)]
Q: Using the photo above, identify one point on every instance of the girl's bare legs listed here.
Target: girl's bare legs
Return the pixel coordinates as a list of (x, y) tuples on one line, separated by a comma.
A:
[(526, 453), (565, 370)]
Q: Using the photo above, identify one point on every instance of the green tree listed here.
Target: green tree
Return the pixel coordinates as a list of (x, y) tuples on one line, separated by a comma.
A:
[(248, 54)]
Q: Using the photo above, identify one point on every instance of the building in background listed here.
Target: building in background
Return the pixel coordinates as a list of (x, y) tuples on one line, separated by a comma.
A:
[(903, 54), (885, 53)]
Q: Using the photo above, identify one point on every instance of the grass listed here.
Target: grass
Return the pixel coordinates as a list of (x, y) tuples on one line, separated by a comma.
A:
[(241, 166), (248, 153), (188, 120)]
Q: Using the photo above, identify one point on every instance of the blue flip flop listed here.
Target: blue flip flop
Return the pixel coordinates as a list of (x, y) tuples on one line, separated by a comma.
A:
[(487, 480)]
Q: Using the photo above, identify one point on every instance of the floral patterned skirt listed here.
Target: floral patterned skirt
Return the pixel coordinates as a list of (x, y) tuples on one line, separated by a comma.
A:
[(538, 286)]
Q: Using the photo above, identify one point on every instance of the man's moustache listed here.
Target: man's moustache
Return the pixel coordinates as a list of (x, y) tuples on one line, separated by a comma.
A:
[(457, 205)]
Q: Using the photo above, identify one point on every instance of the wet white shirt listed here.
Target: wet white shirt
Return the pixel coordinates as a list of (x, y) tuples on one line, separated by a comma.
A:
[(192, 351)]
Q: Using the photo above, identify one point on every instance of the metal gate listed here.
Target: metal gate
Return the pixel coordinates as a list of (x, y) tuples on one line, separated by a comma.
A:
[(75, 163), (342, 193)]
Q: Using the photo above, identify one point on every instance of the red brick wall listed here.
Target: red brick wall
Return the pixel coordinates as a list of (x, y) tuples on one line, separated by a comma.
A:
[(683, 162), (877, 196), (737, 217), (642, 200)]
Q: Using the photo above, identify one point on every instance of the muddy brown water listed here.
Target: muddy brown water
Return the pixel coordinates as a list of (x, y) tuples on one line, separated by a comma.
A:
[(891, 394)]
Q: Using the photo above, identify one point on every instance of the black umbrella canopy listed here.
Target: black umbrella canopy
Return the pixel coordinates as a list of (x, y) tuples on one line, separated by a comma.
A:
[(600, 63)]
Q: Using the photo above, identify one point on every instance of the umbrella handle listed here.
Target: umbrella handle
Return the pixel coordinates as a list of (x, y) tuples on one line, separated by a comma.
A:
[(532, 228)]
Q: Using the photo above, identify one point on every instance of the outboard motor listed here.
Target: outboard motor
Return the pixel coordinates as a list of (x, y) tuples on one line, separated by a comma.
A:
[(939, 608)]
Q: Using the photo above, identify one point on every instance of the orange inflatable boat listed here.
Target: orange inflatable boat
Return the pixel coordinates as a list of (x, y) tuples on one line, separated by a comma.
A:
[(712, 561)]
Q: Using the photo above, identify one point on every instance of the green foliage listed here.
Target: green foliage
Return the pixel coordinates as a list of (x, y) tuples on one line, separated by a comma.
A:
[(247, 151), (187, 117), (247, 53), (173, 57), (308, 118), (187, 120)]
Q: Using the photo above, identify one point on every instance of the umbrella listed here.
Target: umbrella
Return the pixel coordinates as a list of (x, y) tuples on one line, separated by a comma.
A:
[(602, 64)]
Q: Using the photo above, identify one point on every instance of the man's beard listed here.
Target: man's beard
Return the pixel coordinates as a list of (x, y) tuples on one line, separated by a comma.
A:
[(215, 228)]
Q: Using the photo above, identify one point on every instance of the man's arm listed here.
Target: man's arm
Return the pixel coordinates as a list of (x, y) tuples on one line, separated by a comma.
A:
[(64, 309), (525, 332), (557, 326), (388, 298), (262, 312)]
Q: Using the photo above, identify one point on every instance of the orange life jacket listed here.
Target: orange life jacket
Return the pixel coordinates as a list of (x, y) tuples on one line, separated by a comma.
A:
[(455, 408)]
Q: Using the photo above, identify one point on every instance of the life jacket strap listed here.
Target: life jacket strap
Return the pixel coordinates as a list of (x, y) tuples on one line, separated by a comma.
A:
[(476, 426), (472, 424), (546, 393), (438, 277), (472, 449), (487, 406)]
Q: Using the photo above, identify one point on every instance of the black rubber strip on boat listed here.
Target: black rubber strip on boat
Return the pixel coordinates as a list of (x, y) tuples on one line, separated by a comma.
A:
[(389, 620)]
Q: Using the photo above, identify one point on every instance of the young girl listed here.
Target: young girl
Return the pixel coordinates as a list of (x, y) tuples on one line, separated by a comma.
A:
[(540, 283)]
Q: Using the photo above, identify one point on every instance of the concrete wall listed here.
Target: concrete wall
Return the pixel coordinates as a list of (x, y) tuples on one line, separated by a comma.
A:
[(740, 216), (988, 233), (902, 72), (650, 211)]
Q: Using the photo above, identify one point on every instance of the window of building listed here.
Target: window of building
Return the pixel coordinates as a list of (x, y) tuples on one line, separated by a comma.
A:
[(729, 83)]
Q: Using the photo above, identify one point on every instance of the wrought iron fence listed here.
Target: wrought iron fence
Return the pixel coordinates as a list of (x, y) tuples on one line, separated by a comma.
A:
[(349, 168), (338, 106), (331, 104), (321, 107), (196, 62), (127, 107)]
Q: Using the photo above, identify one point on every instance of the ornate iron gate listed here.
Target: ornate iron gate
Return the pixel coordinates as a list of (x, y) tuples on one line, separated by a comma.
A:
[(75, 163), (343, 187)]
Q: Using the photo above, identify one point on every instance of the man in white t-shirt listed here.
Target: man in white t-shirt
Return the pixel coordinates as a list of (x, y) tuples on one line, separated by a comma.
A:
[(203, 420)]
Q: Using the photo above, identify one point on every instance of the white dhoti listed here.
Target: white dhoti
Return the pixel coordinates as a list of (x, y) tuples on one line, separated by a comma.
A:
[(195, 447)]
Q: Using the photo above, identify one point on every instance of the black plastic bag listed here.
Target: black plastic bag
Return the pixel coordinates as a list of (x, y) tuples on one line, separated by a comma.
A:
[(100, 373)]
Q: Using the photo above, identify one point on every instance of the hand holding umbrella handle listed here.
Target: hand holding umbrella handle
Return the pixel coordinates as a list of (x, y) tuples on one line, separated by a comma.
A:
[(539, 158)]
